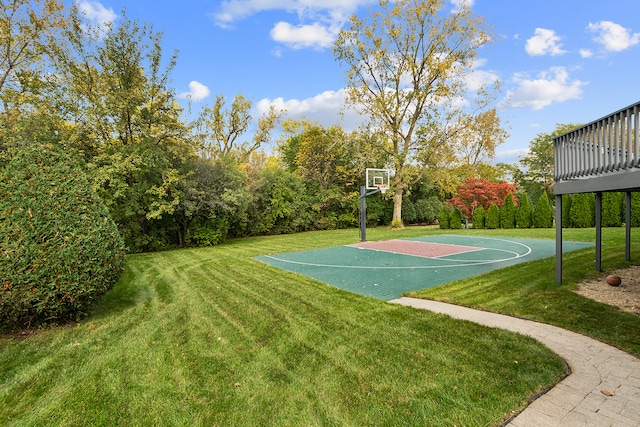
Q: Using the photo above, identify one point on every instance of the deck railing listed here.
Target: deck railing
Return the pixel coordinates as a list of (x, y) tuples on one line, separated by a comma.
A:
[(605, 146)]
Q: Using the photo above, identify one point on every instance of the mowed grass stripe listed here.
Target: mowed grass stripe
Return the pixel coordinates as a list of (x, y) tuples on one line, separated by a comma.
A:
[(213, 337)]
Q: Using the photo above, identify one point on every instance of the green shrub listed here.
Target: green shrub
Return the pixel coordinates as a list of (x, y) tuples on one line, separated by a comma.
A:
[(408, 211), (508, 213), (443, 218), (542, 213), (612, 209), (60, 249), (426, 210), (635, 209), (379, 210), (478, 217), (567, 201), (524, 212), (208, 233), (582, 212), (455, 220), (492, 219)]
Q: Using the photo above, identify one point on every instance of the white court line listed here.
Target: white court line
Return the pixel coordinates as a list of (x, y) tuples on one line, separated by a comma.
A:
[(422, 256), (479, 262)]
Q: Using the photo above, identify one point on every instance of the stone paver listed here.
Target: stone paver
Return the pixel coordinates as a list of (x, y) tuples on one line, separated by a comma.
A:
[(603, 388)]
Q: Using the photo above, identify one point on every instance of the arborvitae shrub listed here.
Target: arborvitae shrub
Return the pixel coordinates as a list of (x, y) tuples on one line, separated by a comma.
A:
[(542, 213), (443, 218), (567, 201), (426, 209), (635, 209), (582, 212), (508, 213), (60, 249), (492, 219), (612, 209), (478, 217), (455, 220), (524, 212), (408, 211)]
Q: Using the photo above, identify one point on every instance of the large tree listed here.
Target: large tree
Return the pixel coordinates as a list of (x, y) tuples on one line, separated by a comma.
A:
[(407, 66), (475, 142), (219, 129), (480, 192), (126, 122), (28, 30), (538, 162)]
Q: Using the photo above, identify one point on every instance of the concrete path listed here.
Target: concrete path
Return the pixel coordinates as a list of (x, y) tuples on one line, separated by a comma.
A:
[(602, 390)]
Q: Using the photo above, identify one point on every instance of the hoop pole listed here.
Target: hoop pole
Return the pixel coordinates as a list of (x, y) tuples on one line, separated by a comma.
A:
[(363, 214), (362, 218)]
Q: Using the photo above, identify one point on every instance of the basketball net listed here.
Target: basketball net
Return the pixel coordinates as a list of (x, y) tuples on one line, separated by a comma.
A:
[(383, 188)]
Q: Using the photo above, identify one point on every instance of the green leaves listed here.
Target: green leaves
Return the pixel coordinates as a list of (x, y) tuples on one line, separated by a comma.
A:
[(60, 250), (407, 63), (543, 213)]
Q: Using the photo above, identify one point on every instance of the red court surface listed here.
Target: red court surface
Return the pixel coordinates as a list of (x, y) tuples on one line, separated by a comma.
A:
[(415, 248)]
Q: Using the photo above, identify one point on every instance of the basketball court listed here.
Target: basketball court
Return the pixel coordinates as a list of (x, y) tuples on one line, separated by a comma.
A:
[(386, 269)]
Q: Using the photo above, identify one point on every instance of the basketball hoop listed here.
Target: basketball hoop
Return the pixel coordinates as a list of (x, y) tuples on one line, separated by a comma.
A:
[(383, 188)]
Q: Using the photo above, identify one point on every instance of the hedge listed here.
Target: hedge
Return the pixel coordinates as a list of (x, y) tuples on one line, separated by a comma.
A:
[(542, 213), (582, 212), (60, 250), (478, 218), (492, 218), (524, 212), (508, 213), (443, 218)]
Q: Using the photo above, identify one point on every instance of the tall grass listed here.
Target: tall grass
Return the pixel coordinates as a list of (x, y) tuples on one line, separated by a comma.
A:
[(214, 337)]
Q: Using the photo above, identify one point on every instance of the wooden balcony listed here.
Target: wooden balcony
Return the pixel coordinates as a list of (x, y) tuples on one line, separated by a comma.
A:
[(601, 156)]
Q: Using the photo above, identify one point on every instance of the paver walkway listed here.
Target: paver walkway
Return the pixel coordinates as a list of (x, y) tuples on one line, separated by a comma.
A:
[(603, 388)]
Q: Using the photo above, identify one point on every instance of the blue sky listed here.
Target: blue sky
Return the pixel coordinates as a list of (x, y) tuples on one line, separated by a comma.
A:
[(558, 61)]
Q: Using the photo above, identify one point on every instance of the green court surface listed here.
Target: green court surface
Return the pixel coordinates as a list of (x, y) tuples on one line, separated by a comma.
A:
[(385, 270)]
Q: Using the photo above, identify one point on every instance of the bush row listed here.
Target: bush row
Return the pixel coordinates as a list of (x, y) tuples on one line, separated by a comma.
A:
[(578, 211), (507, 216)]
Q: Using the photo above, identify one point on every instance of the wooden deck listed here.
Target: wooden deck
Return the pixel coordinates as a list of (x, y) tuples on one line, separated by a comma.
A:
[(602, 156)]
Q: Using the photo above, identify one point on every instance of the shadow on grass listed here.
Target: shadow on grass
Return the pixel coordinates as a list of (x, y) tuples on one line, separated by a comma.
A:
[(125, 294)]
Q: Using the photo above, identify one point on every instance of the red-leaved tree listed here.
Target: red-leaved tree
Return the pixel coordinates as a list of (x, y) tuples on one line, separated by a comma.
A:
[(481, 192)]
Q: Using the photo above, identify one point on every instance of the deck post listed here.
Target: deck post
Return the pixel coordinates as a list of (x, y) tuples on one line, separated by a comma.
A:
[(627, 223), (558, 238), (598, 231)]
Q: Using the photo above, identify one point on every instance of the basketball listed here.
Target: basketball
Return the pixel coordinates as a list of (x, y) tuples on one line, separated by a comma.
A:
[(614, 280)]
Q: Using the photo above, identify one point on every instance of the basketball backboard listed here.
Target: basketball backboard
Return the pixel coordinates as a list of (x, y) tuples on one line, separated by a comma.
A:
[(378, 179)]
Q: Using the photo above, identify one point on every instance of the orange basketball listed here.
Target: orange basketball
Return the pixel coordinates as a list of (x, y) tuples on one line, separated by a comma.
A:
[(614, 280)]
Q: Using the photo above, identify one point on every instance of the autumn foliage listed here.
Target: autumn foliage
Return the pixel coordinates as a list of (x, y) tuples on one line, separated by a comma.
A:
[(481, 192)]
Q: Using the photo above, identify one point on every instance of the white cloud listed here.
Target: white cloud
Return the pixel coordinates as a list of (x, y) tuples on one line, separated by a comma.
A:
[(231, 11), (327, 108), (197, 92), (544, 42), (553, 86), (613, 37), (317, 26), (512, 155), (586, 53), (478, 78), (304, 36), (457, 4), (96, 13)]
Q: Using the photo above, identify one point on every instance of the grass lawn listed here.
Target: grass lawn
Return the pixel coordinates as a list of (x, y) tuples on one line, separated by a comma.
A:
[(529, 290), (212, 337)]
